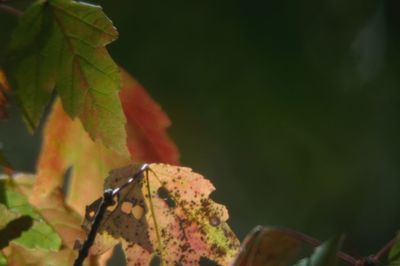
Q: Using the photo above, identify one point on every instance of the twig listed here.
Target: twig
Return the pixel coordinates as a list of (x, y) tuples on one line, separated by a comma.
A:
[(385, 248), (315, 243), (10, 10), (106, 201)]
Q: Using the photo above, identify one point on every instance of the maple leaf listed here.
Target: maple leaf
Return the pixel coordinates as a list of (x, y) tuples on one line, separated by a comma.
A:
[(146, 124), (61, 44), (66, 144), (4, 88), (166, 212), (267, 246)]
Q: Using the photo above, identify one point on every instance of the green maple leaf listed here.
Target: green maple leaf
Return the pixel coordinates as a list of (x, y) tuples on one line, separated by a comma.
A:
[(60, 44)]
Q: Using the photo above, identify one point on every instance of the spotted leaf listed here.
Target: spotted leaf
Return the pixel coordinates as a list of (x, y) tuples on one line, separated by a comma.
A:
[(166, 212)]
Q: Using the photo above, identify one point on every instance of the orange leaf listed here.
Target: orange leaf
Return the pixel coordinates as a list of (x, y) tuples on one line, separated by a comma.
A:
[(66, 144), (18, 255), (166, 212)]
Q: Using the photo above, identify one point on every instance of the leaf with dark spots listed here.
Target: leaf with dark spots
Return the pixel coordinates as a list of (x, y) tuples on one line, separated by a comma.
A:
[(267, 246), (182, 234)]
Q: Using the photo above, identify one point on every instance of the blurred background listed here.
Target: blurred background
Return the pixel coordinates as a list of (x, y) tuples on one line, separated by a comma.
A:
[(291, 108)]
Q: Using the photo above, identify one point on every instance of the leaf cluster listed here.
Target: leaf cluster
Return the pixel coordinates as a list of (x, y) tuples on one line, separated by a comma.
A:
[(101, 128)]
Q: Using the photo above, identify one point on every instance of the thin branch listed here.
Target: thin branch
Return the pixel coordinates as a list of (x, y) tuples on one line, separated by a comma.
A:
[(106, 201), (385, 248), (315, 243), (10, 10)]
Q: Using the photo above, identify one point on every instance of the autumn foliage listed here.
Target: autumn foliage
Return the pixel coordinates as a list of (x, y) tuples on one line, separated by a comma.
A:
[(105, 134)]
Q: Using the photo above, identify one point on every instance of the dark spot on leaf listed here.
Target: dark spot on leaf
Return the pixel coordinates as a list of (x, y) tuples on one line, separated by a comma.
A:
[(214, 221), (163, 193), (218, 251)]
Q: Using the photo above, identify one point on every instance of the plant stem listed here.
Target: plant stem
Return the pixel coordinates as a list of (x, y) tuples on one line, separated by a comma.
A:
[(10, 10), (315, 243), (385, 248)]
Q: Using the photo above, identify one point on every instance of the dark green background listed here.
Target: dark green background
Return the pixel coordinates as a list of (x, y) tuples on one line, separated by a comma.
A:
[(291, 108)]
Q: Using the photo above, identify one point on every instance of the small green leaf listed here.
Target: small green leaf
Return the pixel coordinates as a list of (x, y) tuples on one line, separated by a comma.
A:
[(323, 255), (3, 260), (38, 235), (394, 254), (61, 44)]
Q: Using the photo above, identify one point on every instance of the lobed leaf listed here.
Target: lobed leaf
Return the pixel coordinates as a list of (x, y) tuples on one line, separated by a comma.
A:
[(61, 44), (168, 213)]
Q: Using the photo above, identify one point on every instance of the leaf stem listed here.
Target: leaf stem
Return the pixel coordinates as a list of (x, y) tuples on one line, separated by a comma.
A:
[(10, 10), (154, 216), (106, 201)]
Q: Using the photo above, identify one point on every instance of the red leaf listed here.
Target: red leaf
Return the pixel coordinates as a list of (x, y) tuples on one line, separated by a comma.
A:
[(146, 124)]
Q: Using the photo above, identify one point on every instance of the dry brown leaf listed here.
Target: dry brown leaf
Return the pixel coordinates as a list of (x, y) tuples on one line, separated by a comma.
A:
[(266, 246)]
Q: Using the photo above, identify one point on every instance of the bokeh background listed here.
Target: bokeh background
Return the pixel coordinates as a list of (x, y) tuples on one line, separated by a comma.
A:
[(291, 108)]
